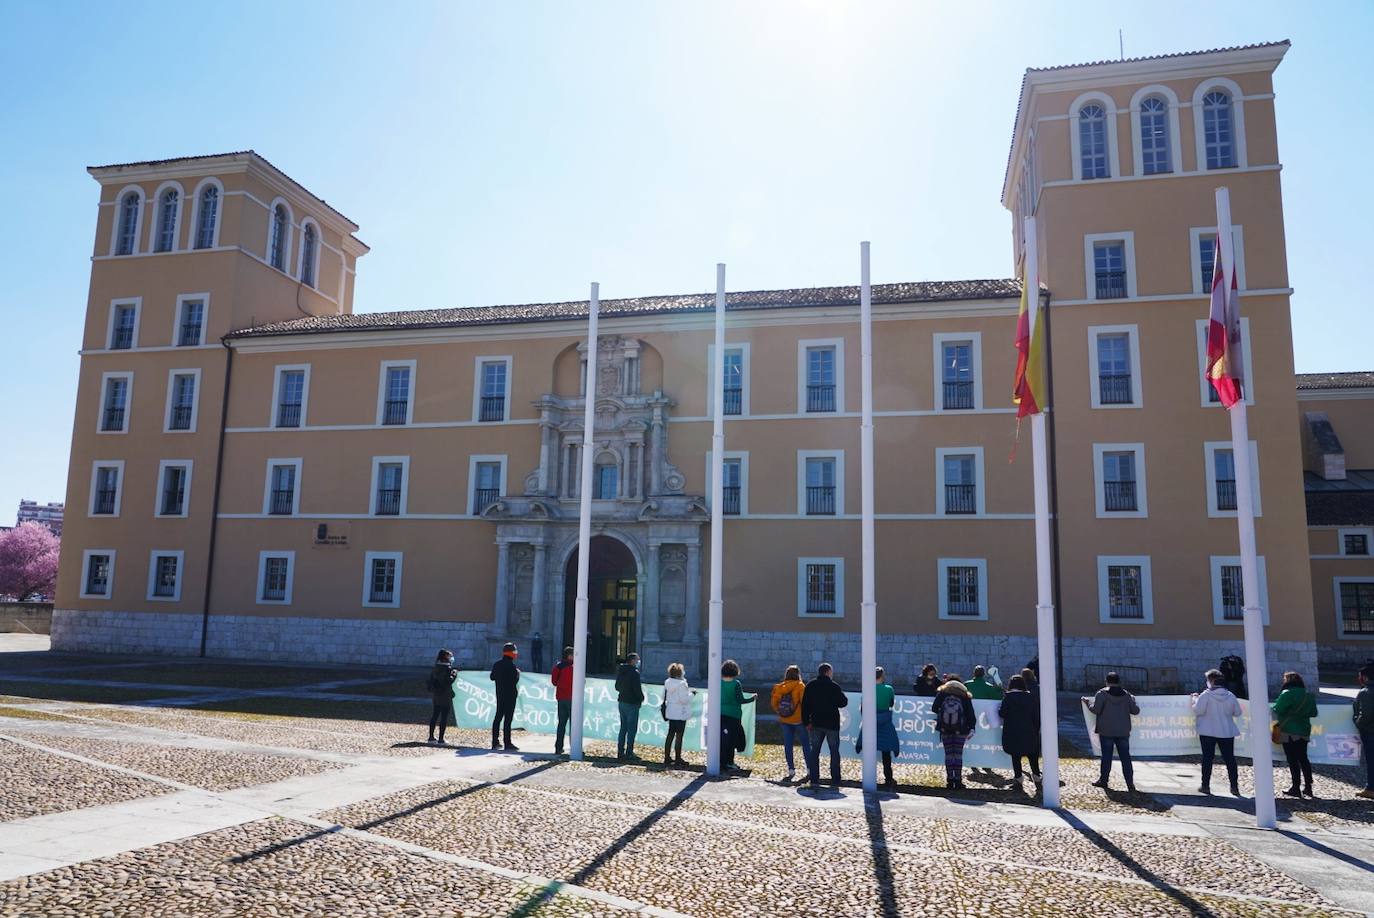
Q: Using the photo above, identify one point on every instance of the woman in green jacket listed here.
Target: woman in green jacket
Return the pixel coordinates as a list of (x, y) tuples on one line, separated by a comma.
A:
[(732, 702), (1293, 710)]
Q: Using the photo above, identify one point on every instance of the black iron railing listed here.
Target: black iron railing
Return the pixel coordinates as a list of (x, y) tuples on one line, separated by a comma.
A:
[(283, 501), (961, 498), (734, 400), (388, 501), (493, 408), (958, 394), (123, 339), (113, 420), (1111, 285), (289, 414), (190, 335), (482, 498), (1119, 495), (395, 410), (729, 497), (1226, 494), (820, 500), (181, 417), (105, 500), (1115, 388), (820, 397)]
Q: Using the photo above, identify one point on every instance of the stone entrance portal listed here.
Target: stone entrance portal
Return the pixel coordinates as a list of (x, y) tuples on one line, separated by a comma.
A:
[(612, 597)]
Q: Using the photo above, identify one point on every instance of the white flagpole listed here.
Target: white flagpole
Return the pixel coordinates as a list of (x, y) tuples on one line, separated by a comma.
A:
[(868, 608), (1044, 587), (584, 535), (717, 606), (1255, 669)]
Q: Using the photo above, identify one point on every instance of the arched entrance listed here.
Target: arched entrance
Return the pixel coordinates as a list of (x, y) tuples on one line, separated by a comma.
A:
[(612, 588)]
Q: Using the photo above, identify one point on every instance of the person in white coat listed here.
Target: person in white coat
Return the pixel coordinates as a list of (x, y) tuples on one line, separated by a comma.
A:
[(1216, 710), (677, 710)]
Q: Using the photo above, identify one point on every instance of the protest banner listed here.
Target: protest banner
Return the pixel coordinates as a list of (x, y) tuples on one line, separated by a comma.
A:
[(920, 741), (474, 705)]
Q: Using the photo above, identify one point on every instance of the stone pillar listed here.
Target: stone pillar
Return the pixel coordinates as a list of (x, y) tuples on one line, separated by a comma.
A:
[(658, 457), (650, 594), (546, 453), (539, 598), (692, 630), (501, 622)]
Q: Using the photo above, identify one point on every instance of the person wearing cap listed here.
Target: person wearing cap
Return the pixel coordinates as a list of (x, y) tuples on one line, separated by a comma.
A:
[(506, 675)]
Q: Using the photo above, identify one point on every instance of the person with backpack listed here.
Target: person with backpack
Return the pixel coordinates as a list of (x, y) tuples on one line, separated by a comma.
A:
[(630, 696), (1363, 715), (732, 702), (821, 703), (1232, 670), (506, 675), (787, 704), (1020, 713), (677, 710), (1216, 709), (889, 744), (562, 679), (1113, 707), (955, 720), (1293, 710), (928, 682), (440, 688)]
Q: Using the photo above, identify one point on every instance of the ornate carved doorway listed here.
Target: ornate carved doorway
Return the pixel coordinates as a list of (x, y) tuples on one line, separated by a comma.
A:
[(612, 594)]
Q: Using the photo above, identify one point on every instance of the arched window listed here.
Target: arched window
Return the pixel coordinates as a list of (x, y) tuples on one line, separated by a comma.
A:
[(308, 244), (1154, 136), (128, 224), (280, 224), (1092, 141), (167, 221), (1218, 128), (209, 212)]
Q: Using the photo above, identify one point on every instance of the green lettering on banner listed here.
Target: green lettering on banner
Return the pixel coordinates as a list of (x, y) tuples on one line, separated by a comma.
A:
[(536, 710)]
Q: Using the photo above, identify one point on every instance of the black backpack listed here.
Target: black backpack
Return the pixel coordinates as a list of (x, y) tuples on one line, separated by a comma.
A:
[(949, 718)]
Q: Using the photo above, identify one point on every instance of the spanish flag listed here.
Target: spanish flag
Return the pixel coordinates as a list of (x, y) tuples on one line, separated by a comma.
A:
[(1028, 389), (1224, 369)]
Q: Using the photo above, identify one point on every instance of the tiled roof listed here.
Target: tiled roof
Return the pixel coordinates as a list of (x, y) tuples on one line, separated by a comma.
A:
[(1349, 502), (910, 292), (1363, 379)]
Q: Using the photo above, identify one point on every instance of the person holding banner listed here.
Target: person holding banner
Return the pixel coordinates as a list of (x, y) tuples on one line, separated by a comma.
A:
[(562, 679), (1216, 710), (677, 710), (1113, 707), (787, 704), (1363, 716), (821, 703), (1020, 713), (1293, 711), (732, 702), (629, 695)]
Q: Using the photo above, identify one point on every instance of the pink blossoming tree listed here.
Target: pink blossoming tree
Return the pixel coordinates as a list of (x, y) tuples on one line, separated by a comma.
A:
[(28, 561)]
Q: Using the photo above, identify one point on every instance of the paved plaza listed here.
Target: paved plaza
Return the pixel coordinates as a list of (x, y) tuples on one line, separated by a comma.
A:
[(187, 787)]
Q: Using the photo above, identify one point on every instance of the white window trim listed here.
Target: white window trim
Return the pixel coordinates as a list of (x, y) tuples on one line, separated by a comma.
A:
[(1210, 460), (290, 557), (182, 299), (942, 579), (377, 463), (162, 467), (96, 466), (195, 215), (152, 573), (1195, 234), (171, 392), (371, 556), (138, 221), (1099, 480), (743, 457), (1218, 613), (128, 401), (743, 348), (979, 478), (802, 456), (801, 587), (938, 342), (267, 487), (473, 461), (137, 303), (1365, 531), (1076, 143), (86, 570), (1340, 622), (300, 254), (276, 393), (286, 259), (1137, 141), (1146, 590), (802, 346), (1205, 387), (1237, 117), (477, 385), (1132, 333), (1127, 239), (382, 389), (178, 225)]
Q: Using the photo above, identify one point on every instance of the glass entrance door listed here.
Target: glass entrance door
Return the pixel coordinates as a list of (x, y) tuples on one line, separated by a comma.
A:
[(616, 616)]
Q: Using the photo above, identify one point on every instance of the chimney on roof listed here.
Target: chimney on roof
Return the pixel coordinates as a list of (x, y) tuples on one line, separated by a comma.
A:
[(1322, 452)]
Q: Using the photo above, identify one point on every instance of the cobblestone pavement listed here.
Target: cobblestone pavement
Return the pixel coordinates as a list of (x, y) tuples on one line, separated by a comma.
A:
[(38, 782)]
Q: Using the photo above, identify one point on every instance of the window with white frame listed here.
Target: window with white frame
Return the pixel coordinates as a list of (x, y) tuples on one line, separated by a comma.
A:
[(207, 216), (1120, 477), (124, 325), (168, 210), (181, 400), (820, 482), (958, 484), (732, 366), (276, 571), (279, 237), (1355, 606), (382, 578), (1123, 590), (488, 477), (1114, 355), (820, 378), (173, 488), (1355, 543), (1228, 590), (1220, 462), (396, 392), (116, 393), (734, 483), (1109, 265), (1207, 391), (107, 482), (1155, 145), (492, 389), (820, 587), (164, 575), (190, 324), (1092, 141), (310, 245), (289, 395), (97, 573), (282, 495), (389, 485), (127, 221), (958, 359), (963, 588), (1218, 130)]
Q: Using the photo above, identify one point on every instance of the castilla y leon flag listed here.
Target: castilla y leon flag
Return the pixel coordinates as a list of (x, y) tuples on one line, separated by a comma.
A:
[(1224, 366), (1028, 388)]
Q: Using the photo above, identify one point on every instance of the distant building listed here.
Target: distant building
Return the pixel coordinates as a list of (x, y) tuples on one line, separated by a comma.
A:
[(49, 514)]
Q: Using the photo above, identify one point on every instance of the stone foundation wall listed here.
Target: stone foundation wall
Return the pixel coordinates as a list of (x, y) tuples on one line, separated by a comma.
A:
[(1340, 662), (26, 617)]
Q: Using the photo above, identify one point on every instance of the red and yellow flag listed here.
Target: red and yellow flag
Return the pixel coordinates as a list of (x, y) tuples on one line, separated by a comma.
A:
[(1224, 367), (1028, 388)]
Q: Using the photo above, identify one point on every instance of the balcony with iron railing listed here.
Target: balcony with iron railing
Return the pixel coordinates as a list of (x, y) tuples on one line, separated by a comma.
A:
[(1118, 496), (395, 411), (190, 335), (181, 417), (957, 395), (113, 419), (1111, 285), (1115, 388), (1226, 494), (482, 498), (289, 414), (820, 500), (820, 398), (493, 408), (104, 501), (282, 502), (388, 502), (729, 500), (172, 501), (734, 400), (123, 339), (961, 498)]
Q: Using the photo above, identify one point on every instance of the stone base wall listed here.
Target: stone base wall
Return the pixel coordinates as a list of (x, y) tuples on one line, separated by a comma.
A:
[(26, 617), (1340, 662)]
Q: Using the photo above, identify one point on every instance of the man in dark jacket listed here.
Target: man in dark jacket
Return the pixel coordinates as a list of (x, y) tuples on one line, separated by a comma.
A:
[(1364, 722), (562, 679), (630, 694), (506, 675), (821, 703), (1113, 707)]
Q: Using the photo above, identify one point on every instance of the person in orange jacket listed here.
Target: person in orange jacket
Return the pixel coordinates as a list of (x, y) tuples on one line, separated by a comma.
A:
[(562, 679), (787, 704)]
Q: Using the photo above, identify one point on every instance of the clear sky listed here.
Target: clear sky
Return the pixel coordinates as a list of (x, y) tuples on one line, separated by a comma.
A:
[(512, 152)]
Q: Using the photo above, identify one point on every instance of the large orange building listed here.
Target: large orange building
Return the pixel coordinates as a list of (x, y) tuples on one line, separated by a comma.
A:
[(259, 471)]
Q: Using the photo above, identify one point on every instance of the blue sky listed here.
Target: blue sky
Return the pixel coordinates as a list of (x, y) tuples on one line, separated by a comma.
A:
[(512, 152)]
